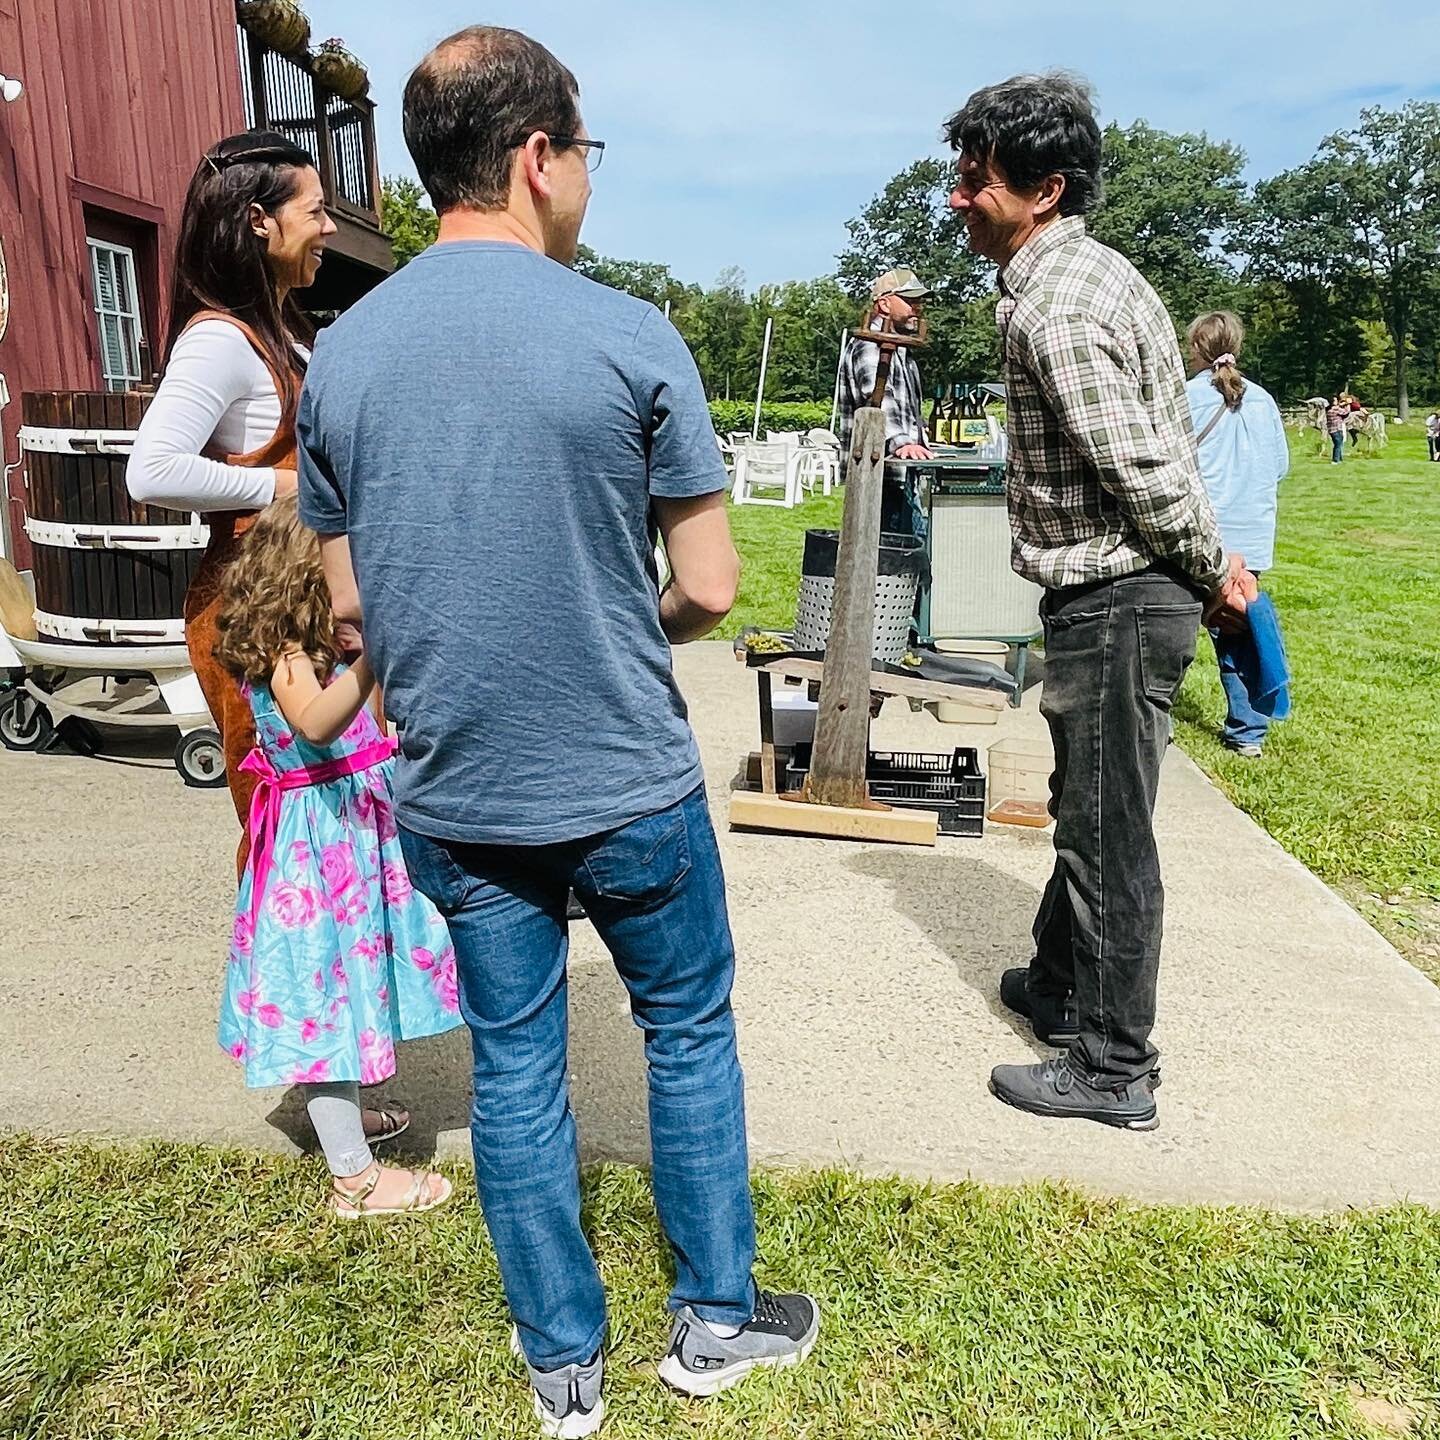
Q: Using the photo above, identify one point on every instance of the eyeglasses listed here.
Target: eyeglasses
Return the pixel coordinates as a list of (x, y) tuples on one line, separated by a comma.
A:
[(594, 149), (971, 185)]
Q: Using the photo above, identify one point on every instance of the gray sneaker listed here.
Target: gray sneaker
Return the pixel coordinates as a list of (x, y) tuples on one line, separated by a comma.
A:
[(1059, 1089), (568, 1403), (781, 1332)]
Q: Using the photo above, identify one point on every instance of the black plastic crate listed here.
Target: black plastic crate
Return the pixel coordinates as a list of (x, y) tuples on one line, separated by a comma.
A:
[(951, 785)]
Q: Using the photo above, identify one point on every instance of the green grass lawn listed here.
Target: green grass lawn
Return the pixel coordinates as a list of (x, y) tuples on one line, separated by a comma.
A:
[(165, 1292), (1349, 784), (770, 541), (173, 1292)]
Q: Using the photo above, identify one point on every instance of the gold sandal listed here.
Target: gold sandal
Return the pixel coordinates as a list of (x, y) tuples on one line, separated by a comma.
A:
[(394, 1122), (351, 1204)]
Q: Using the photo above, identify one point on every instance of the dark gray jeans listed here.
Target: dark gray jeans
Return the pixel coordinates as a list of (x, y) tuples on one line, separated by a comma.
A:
[(1115, 654)]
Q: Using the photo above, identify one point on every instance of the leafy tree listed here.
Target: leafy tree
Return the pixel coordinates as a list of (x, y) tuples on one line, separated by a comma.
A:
[(808, 317), (1172, 203), (645, 279), (717, 335), (1303, 338), (409, 222), (1366, 212), (910, 223)]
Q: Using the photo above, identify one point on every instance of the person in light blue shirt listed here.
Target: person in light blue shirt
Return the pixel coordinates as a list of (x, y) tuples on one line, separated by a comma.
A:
[(1244, 455)]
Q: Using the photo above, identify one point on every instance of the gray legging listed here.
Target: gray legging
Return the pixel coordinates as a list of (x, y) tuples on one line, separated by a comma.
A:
[(335, 1114)]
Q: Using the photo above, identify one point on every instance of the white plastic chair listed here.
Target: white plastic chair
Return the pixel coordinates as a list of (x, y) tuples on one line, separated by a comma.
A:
[(821, 460), (763, 467), (727, 453)]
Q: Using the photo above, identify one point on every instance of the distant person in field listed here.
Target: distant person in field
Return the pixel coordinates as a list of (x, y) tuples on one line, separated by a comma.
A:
[(1336, 419), (1243, 457), (1432, 433), (1355, 422)]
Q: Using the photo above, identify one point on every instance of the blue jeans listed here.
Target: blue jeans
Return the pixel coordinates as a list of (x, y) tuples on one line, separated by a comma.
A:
[(1244, 725), (1337, 444), (655, 892)]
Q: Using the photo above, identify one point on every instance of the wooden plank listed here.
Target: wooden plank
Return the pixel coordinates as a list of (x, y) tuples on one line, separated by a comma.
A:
[(767, 735), (750, 810), (911, 686), (842, 728)]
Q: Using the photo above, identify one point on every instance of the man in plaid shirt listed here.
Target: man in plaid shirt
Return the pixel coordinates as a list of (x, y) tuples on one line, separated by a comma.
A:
[(900, 296), (1108, 513)]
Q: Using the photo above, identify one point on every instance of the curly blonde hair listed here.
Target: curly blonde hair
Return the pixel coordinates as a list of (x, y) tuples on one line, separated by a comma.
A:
[(274, 597)]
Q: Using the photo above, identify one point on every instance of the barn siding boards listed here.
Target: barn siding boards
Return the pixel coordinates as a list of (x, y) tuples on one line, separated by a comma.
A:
[(121, 97)]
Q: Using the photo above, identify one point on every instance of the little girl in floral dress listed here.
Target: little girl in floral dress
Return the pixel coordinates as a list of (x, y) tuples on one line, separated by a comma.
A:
[(334, 956)]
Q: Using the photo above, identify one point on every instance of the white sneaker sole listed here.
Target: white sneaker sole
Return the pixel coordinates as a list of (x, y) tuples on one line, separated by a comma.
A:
[(572, 1427), (702, 1387)]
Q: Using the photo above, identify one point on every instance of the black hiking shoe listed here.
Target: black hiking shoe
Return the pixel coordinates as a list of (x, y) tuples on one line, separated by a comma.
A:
[(781, 1332), (1060, 1090), (1055, 1022)]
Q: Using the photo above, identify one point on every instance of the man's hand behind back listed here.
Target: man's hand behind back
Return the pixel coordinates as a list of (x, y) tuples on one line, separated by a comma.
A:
[(1226, 609)]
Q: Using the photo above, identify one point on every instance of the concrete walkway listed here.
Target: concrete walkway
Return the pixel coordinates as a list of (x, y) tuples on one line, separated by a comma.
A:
[(1302, 1054)]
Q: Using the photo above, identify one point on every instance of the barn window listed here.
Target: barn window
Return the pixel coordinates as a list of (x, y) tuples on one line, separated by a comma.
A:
[(117, 311)]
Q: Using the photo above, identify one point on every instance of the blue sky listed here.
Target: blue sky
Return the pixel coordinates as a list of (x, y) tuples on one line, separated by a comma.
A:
[(744, 135)]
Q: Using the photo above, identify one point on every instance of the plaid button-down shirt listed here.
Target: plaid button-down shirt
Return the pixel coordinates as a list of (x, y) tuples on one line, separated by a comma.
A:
[(1103, 478), (904, 419)]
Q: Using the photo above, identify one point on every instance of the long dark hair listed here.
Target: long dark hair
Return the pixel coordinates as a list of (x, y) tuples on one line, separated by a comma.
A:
[(220, 261)]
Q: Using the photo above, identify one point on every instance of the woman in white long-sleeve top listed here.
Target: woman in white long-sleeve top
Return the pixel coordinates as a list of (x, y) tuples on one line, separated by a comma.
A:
[(219, 437), (1244, 455)]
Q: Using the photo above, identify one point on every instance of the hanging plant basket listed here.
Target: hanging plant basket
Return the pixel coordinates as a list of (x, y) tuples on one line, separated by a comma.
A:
[(341, 71), (281, 24)]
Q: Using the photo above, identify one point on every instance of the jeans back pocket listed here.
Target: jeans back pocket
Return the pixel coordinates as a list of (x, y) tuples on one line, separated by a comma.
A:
[(434, 872), (643, 860), (1166, 635)]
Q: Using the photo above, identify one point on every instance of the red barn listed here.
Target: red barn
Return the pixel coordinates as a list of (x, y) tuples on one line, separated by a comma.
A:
[(119, 100)]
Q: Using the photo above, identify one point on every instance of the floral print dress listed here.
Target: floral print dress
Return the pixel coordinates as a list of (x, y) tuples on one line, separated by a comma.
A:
[(341, 957)]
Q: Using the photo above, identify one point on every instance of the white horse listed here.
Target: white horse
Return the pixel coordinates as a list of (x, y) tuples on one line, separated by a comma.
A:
[(1314, 418), (1370, 434)]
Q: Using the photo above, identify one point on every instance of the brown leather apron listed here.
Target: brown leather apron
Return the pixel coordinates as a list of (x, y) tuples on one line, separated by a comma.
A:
[(228, 706)]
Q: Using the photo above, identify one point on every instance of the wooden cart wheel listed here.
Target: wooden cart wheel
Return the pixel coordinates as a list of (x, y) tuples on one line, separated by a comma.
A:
[(200, 759), (25, 724)]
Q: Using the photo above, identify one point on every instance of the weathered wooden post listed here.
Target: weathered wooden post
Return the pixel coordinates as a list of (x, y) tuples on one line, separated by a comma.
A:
[(842, 728)]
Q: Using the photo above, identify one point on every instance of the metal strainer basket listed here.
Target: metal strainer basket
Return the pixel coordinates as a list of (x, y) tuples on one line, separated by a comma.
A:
[(902, 558)]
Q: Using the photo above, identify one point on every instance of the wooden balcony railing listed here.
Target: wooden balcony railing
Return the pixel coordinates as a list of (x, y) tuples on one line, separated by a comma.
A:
[(282, 93)]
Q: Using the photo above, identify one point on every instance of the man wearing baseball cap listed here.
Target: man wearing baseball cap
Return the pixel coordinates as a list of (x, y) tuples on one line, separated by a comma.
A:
[(899, 295)]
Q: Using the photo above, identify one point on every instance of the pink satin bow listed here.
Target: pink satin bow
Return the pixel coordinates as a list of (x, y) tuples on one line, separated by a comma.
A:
[(265, 803)]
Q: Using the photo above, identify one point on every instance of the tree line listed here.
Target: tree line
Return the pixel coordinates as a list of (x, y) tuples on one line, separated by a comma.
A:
[(1334, 265)]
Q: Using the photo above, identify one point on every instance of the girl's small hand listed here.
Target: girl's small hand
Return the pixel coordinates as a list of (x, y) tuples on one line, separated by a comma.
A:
[(348, 638)]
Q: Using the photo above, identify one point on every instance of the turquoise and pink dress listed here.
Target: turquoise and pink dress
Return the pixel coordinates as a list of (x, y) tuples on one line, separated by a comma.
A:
[(335, 956)]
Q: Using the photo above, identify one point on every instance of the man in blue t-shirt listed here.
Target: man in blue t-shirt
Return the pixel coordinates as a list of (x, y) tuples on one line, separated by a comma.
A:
[(489, 443)]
